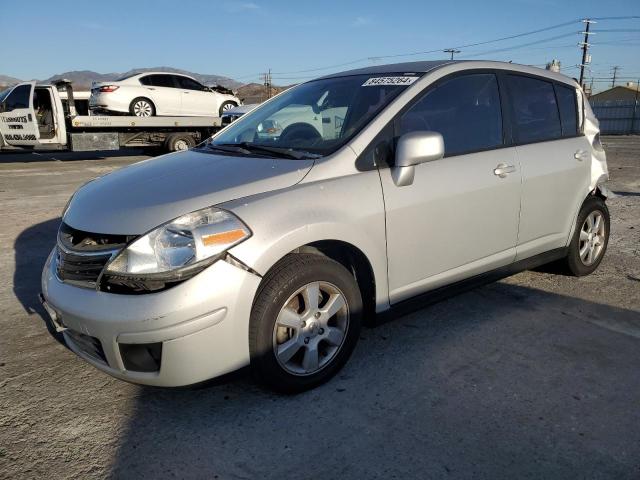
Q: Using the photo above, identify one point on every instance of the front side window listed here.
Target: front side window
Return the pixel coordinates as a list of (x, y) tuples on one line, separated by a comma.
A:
[(189, 84), (464, 110), (316, 117), (568, 110), (535, 111), (19, 98)]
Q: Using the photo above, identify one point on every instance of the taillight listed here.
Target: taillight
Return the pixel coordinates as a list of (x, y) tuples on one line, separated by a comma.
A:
[(108, 88)]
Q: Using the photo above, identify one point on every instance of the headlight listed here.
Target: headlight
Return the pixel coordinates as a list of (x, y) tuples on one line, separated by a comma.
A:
[(176, 250)]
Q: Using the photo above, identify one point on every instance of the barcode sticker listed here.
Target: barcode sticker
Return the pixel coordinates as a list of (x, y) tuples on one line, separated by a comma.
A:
[(375, 81)]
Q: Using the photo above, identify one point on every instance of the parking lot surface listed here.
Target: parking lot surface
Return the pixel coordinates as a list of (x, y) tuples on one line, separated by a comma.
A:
[(535, 376)]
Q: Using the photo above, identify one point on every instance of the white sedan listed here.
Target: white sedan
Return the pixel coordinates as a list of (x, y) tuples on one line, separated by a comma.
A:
[(160, 93)]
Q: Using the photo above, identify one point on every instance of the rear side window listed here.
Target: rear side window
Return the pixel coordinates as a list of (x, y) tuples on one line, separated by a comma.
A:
[(535, 112), (145, 80), (465, 110), (18, 98), (568, 110), (161, 81)]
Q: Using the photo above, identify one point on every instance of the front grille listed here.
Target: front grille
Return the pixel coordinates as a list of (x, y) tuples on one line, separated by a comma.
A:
[(81, 269), (91, 346), (81, 255)]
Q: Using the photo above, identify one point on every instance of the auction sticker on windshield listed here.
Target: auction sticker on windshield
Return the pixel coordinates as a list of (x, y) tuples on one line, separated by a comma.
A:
[(375, 81)]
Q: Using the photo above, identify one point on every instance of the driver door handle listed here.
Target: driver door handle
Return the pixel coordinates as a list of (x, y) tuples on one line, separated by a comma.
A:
[(502, 170)]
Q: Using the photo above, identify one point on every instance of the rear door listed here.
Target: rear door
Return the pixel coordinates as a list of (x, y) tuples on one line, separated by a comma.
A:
[(164, 92), (196, 99), (555, 160), (18, 124)]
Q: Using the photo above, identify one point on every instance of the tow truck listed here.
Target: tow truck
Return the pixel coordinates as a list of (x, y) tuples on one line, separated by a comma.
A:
[(38, 117)]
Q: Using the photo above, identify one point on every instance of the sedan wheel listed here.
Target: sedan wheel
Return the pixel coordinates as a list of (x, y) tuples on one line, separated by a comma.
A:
[(142, 108)]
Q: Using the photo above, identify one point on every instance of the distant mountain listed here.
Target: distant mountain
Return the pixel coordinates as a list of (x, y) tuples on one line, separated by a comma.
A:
[(82, 79), (256, 92), (6, 80)]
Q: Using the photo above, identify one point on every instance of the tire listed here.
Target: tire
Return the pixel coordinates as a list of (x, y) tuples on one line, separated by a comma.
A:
[(580, 265), (226, 106), (142, 107), (177, 142), (332, 335)]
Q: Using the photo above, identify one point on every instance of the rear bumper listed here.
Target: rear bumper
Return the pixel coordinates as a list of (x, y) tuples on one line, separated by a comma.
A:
[(109, 101), (202, 324)]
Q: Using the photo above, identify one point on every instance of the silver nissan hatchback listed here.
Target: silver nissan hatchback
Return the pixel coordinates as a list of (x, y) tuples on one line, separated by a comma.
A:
[(340, 198)]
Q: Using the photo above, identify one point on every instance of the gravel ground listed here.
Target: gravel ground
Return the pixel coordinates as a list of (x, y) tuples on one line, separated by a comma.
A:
[(535, 376)]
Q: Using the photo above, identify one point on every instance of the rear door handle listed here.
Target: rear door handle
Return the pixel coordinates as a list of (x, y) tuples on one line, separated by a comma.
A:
[(581, 155), (149, 88), (502, 170)]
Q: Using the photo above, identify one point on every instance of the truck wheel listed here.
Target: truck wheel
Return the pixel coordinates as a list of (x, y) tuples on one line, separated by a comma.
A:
[(179, 141), (226, 106), (142, 107), (590, 238), (305, 322)]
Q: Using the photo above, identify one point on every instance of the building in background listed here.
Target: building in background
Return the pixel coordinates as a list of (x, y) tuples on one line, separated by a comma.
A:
[(628, 92)]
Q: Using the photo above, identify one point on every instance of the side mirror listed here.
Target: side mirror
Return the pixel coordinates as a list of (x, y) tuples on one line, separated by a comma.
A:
[(413, 149)]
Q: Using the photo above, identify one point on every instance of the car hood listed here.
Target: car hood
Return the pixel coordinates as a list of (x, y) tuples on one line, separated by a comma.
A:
[(138, 198)]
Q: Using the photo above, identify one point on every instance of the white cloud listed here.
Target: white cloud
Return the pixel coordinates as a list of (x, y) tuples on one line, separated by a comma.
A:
[(361, 21)]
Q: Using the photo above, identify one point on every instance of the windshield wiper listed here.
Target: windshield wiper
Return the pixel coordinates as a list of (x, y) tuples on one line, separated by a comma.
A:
[(278, 151), (229, 148)]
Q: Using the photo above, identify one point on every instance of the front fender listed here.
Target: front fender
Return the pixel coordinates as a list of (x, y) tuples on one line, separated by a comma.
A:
[(349, 209)]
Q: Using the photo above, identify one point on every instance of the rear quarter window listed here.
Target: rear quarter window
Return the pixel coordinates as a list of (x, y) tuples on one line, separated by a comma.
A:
[(568, 110), (535, 111)]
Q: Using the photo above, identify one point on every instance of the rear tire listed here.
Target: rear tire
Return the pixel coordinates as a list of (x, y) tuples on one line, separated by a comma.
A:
[(590, 239), (178, 142), (305, 323), (226, 106), (142, 107)]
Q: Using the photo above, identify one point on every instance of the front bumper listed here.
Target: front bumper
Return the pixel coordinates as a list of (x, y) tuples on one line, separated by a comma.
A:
[(202, 323)]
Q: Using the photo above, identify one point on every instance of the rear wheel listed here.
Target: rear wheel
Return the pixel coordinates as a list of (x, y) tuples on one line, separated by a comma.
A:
[(590, 239), (142, 107), (305, 322), (226, 106), (177, 142)]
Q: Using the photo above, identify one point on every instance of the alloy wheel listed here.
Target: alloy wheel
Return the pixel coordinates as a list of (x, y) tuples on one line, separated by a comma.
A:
[(310, 328), (142, 108), (592, 238)]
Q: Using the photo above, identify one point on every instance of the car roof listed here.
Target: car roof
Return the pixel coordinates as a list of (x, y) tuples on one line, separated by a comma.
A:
[(427, 66)]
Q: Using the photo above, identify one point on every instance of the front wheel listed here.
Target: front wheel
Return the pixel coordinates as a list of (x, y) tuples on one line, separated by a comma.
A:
[(305, 322), (590, 239), (226, 106)]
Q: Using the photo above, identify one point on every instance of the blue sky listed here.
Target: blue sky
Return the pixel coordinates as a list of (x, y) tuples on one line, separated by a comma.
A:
[(241, 38)]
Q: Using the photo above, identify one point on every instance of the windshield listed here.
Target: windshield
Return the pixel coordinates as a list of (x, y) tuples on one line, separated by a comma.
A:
[(317, 117)]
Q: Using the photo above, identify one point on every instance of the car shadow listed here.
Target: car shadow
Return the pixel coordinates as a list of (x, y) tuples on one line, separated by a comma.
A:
[(31, 249), (502, 381), (28, 156)]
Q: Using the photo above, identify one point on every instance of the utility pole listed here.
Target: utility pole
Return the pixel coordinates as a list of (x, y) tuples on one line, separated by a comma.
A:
[(267, 84), (585, 47), (451, 51), (615, 74)]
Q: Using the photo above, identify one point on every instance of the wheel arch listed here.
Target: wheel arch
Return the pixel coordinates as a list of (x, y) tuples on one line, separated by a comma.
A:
[(142, 97)]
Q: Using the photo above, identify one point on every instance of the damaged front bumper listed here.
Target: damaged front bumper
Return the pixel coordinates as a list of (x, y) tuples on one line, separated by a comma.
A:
[(192, 332)]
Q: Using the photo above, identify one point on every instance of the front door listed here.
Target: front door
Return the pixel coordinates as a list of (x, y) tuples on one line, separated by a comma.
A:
[(459, 217), (196, 99), (18, 122)]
